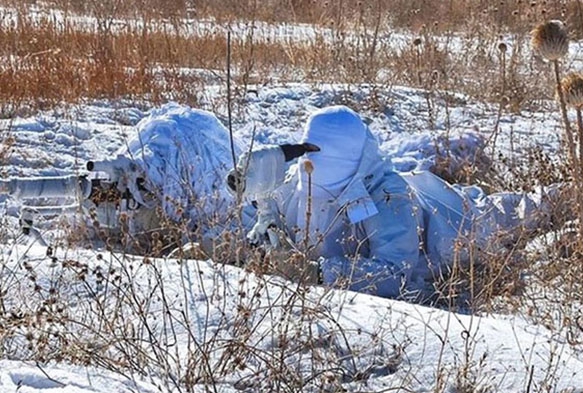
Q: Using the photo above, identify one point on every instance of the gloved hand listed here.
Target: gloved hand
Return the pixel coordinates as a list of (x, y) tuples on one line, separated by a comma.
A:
[(294, 151), (258, 172), (264, 169)]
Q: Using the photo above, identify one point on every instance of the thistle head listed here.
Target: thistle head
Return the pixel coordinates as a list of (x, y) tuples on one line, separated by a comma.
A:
[(550, 40), (308, 167), (572, 87)]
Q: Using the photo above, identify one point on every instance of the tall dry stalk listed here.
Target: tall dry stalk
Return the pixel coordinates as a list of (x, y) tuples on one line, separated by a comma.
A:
[(229, 110), (309, 168), (551, 41), (502, 48), (572, 92), (503, 100), (563, 106)]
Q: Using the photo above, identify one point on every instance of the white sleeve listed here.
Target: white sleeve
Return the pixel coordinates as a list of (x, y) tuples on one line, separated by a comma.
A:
[(263, 170)]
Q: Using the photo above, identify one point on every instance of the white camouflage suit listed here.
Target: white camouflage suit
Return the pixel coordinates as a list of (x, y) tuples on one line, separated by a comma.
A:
[(372, 229)]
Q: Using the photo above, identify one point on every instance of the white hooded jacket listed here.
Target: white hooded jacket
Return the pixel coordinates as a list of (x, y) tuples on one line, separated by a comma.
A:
[(376, 230)]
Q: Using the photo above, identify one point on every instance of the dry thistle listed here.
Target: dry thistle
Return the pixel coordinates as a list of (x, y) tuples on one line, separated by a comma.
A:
[(572, 86), (308, 167), (550, 40)]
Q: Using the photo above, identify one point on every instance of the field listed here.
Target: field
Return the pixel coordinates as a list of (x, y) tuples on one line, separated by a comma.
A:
[(454, 87)]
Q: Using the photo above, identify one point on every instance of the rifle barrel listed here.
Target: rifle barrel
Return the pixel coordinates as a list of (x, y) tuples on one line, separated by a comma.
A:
[(47, 187)]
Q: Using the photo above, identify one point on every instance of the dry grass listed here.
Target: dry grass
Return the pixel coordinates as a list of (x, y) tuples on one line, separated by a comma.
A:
[(457, 14), (47, 62), (143, 49)]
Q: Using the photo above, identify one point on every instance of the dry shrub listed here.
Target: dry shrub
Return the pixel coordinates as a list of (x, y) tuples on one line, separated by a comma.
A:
[(121, 313), (53, 62), (52, 65), (536, 168), (515, 15), (553, 295), (141, 49), (504, 275), (6, 145)]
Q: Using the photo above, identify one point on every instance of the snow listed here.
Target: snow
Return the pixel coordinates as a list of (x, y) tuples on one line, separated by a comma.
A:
[(29, 378), (393, 341), (375, 344)]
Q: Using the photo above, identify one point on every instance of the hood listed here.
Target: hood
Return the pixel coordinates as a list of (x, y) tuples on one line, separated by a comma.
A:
[(349, 154), (338, 131), (341, 135)]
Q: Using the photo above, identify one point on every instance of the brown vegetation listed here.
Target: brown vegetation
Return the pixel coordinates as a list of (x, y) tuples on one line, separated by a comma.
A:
[(146, 49)]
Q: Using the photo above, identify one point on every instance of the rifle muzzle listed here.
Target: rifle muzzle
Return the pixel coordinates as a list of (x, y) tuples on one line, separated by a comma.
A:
[(47, 187)]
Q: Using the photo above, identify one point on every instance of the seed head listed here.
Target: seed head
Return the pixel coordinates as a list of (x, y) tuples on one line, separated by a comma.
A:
[(551, 40), (502, 47), (572, 86), (308, 167)]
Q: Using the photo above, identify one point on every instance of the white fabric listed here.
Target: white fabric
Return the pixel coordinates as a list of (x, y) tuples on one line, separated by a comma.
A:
[(185, 155), (357, 201), (264, 170), (340, 135), (386, 231), (375, 230)]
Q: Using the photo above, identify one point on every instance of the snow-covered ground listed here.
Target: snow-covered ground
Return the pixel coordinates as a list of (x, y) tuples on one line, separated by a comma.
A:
[(195, 27), (61, 141), (191, 308), (361, 342)]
